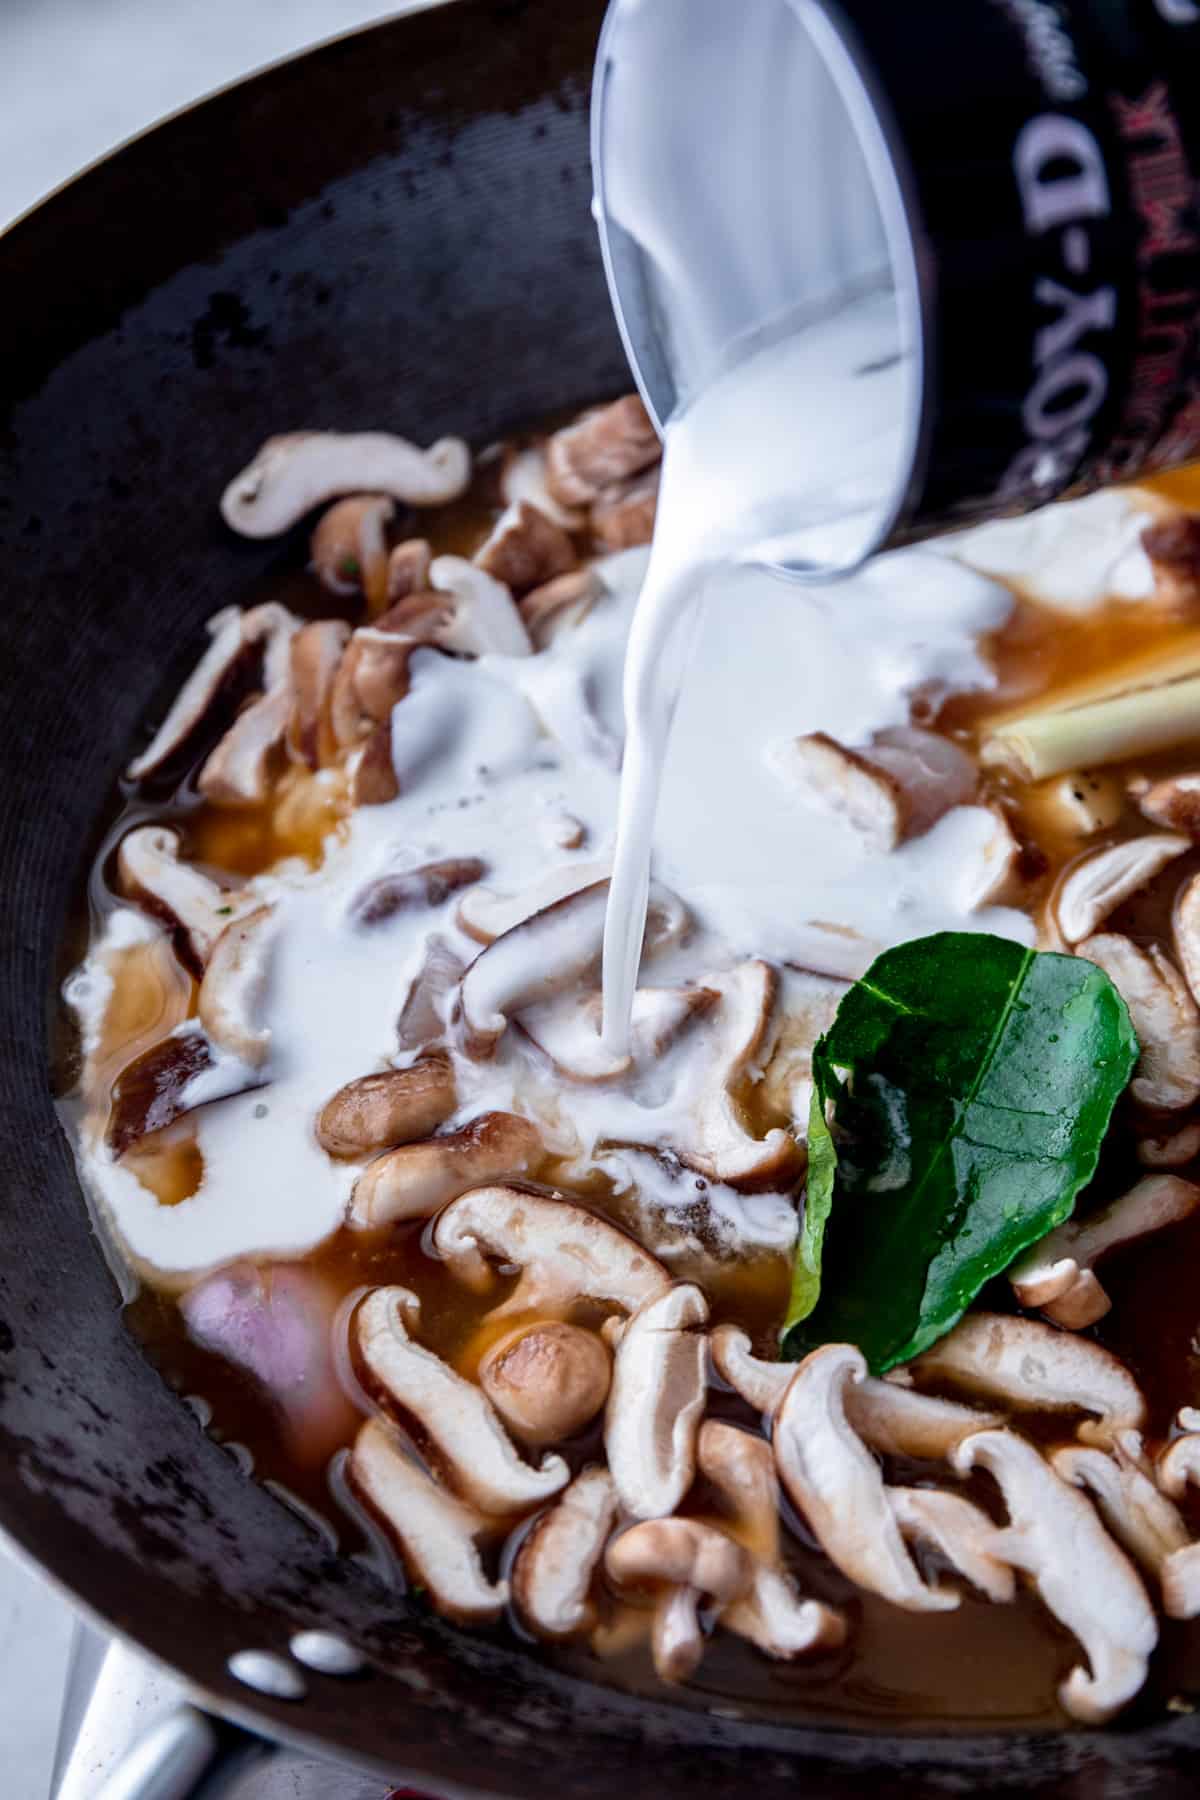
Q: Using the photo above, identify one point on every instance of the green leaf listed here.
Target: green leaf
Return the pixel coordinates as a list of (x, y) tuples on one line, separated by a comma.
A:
[(818, 1202), (971, 1082)]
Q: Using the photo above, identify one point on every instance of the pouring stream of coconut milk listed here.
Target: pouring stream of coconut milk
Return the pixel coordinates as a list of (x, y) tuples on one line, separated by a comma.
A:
[(844, 344)]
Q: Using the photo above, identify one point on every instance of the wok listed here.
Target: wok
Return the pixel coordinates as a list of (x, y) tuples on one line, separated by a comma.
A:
[(392, 230)]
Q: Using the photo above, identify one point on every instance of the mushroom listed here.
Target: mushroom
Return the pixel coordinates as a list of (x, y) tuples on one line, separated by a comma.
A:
[(806, 1009), (656, 1402), (543, 955), (526, 549), (622, 516), (436, 1532), (546, 1381), (1036, 1368), (371, 679), (349, 547), (721, 1147), (422, 1020), (1173, 803), (1171, 1150), (603, 446), (234, 986), (191, 905), (1093, 888), (760, 1384), (771, 1614), (959, 1531), (408, 568), (841, 783), (893, 1420), (238, 771), (1179, 1465), (1164, 1016), (554, 1568), (415, 1181), (565, 1253), (484, 620), (993, 866), (836, 1484), (567, 1031), (151, 1092), (1173, 546), (1078, 804), (392, 1106), (563, 831), (897, 787), (1187, 932), (688, 1562), (486, 915), (450, 1416), (1088, 1584), (238, 640), (1057, 1276), (375, 780), (409, 889), (523, 477), (559, 605), (301, 470), (1141, 1518), (316, 655)]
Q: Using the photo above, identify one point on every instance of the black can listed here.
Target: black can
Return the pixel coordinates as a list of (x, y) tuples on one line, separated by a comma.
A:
[(1045, 157)]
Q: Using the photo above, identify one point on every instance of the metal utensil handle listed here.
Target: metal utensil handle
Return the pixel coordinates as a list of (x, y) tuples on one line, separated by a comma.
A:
[(186, 1756)]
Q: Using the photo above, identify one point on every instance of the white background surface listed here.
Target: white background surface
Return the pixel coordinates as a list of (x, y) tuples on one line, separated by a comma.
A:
[(77, 77)]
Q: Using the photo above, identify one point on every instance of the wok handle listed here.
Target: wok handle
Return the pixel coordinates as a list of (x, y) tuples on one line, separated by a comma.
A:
[(186, 1756)]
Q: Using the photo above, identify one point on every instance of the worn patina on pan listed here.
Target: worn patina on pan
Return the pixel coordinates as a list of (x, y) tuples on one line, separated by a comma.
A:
[(391, 230)]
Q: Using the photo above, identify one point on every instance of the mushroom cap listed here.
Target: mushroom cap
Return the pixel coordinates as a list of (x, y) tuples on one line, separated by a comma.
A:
[(526, 548), (567, 1030), (1086, 1581), (1164, 1016), (559, 605), (543, 954), (407, 889), (1170, 1149), (1096, 885), (547, 1380), (486, 915), (389, 1107), (234, 986), (1186, 930), (451, 1416), (1141, 1518), (422, 1021), (679, 1553), (761, 1384), (484, 618), (188, 902), (349, 548), (843, 785), (435, 1530), (1056, 1274), (415, 1181), (566, 1252), (837, 1486), (656, 1402), (1174, 803), (300, 470), (316, 653), (960, 1531), (604, 445), (238, 770), (1034, 1367), (721, 1146), (554, 1567)]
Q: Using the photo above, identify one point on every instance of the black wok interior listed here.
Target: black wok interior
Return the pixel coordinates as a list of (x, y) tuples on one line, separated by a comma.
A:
[(392, 231)]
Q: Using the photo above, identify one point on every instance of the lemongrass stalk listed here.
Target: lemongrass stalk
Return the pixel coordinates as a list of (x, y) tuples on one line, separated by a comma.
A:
[(1134, 723)]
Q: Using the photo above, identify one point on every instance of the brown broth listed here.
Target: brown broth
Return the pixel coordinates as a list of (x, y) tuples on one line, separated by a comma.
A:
[(994, 1665)]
